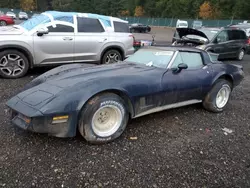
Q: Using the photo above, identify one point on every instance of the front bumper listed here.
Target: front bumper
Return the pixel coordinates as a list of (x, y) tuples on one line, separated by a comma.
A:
[(44, 124), (30, 119)]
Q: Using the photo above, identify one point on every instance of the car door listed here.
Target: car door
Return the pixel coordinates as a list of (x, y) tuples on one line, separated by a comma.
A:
[(220, 44), (57, 46), (89, 39), (235, 43), (190, 82)]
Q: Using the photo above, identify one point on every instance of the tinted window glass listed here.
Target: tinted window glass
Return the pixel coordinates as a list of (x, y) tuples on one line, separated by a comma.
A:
[(121, 27), (243, 35), (192, 59), (234, 35), (90, 25), (61, 28)]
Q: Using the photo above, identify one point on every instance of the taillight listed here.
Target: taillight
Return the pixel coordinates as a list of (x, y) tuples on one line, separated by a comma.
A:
[(248, 41)]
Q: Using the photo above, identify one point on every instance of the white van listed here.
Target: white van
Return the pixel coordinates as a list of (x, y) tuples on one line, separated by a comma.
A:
[(181, 24)]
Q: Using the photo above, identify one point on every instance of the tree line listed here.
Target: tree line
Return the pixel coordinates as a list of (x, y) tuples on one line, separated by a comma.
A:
[(205, 9)]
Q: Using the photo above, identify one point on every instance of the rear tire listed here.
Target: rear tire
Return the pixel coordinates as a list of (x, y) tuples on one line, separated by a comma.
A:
[(241, 55), (13, 64), (103, 119), (3, 23), (111, 56), (217, 99)]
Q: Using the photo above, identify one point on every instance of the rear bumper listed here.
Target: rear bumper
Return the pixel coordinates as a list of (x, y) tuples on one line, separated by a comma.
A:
[(30, 119), (130, 52)]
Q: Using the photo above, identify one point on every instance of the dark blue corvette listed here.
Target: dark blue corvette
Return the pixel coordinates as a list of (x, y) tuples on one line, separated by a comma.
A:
[(99, 100)]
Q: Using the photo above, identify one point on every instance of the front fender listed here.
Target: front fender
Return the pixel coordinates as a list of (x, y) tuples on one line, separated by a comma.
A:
[(74, 98)]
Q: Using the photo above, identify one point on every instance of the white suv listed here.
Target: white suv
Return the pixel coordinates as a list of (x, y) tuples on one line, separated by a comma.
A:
[(63, 37)]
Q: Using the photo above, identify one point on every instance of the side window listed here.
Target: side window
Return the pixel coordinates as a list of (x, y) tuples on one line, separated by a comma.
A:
[(60, 29), (89, 25), (234, 35), (192, 59), (177, 61), (222, 36), (121, 27), (243, 34)]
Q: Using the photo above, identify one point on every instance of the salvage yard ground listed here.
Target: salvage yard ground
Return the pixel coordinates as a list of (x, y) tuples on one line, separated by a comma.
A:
[(185, 147)]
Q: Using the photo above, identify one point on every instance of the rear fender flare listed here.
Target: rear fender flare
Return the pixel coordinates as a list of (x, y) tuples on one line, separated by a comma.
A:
[(222, 74), (113, 47)]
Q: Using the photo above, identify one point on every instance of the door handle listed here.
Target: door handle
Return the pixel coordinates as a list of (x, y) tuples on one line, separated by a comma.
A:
[(67, 38), (103, 40)]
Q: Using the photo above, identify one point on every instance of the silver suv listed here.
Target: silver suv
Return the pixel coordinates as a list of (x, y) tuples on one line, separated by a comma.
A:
[(63, 37)]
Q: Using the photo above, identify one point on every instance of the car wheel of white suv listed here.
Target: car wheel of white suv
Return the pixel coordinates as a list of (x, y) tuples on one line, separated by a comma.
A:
[(13, 64), (111, 56)]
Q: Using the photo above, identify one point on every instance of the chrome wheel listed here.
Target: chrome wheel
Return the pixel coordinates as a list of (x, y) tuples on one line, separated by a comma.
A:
[(106, 121), (241, 55), (223, 96), (112, 58), (12, 65)]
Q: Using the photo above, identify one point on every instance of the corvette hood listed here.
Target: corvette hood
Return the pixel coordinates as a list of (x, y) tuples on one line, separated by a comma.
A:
[(10, 30), (69, 75), (189, 31)]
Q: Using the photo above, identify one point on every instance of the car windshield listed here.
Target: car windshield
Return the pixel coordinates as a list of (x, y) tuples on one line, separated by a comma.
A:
[(9, 13), (35, 21), (183, 24), (22, 13), (151, 57), (209, 33)]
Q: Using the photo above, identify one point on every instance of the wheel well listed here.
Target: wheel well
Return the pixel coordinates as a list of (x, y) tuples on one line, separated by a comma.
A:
[(113, 48), (21, 51), (121, 94), (227, 77)]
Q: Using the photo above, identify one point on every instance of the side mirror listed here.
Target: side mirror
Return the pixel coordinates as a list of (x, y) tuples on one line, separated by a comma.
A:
[(180, 67), (42, 31)]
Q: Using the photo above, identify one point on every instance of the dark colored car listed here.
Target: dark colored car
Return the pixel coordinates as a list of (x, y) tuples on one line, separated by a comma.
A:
[(99, 100), (227, 42), (6, 20), (139, 28)]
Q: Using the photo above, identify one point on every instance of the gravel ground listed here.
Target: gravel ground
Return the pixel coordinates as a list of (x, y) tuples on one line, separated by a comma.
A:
[(183, 147)]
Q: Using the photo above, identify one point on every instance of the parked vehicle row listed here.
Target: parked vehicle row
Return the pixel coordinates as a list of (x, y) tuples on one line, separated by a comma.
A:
[(21, 15), (59, 37)]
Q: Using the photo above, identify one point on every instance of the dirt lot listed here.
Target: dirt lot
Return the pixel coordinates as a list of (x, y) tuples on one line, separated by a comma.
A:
[(184, 147)]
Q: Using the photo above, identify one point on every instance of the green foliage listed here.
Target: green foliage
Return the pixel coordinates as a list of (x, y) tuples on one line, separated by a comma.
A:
[(222, 9)]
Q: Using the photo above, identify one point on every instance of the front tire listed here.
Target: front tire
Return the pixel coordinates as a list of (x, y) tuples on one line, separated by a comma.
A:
[(103, 119), (217, 99), (111, 56), (13, 64)]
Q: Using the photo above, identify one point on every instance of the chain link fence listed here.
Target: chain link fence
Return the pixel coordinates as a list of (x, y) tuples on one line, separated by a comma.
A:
[(171, 22)]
